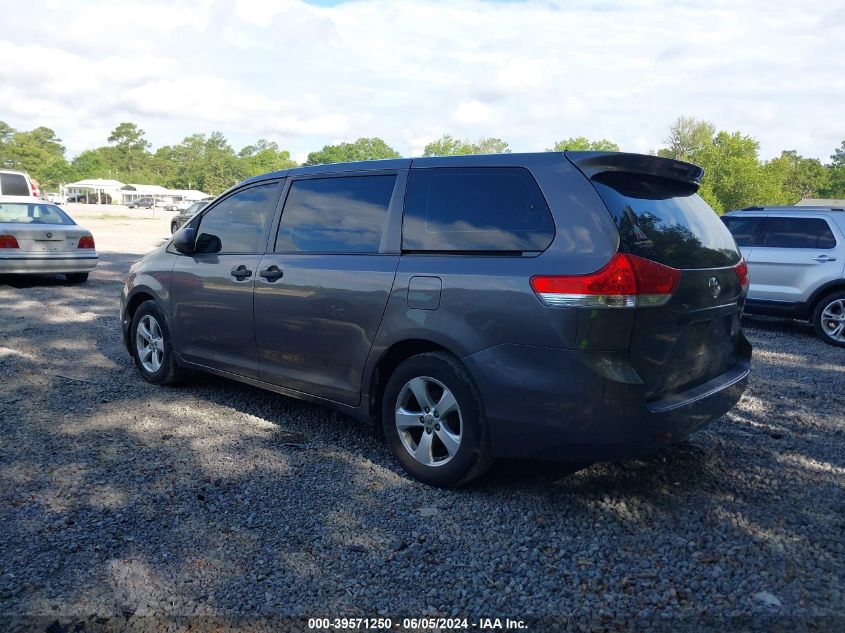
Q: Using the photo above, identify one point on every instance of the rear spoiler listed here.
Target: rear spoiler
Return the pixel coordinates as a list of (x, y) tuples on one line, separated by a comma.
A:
[(594, 163)]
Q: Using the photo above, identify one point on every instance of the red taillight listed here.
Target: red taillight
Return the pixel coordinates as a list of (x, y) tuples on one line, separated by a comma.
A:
[(8, 241), (741, 270), (86, 241), (626, 281)]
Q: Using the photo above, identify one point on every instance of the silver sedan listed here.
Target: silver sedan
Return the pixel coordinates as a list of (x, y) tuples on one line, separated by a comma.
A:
[(37, 237)]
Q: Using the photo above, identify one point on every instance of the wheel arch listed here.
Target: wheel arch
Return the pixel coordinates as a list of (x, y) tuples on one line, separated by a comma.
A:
[(820, 293), (138, 296), (389, 360)]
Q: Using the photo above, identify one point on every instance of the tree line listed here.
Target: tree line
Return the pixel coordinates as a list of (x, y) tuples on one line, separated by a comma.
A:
[(735, 176)]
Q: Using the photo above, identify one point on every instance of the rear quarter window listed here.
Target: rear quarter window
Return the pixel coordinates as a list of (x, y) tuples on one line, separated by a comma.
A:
[(666, 221), (744, 229), (496, 209), (14, 185)]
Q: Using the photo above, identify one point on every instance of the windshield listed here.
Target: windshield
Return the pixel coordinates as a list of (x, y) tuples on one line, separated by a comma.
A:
[(32, 213), (666, 221)]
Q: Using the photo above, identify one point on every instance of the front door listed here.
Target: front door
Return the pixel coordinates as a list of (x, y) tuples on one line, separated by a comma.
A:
[(320, 297), (212, 290)]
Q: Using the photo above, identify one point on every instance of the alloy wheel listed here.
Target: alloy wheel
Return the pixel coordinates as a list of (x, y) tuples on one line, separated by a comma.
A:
[(149, 343), (833, 320), (428, 420)]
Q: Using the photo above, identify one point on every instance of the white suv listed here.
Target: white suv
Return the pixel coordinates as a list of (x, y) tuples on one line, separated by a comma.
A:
[(17, 183), (796, 264)]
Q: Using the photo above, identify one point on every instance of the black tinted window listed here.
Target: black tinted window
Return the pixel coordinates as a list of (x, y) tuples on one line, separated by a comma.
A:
[(335, 215), (798, 233), (14, 185), (743, 229), (238, 224), (666, 221), (475, 209)]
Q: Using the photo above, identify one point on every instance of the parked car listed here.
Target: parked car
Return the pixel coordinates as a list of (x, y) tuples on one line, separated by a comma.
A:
[(17, 183), (142, 203), (582, 305), (183, 216), (796, 263), (177, 205), (54, 198), (37, 237)]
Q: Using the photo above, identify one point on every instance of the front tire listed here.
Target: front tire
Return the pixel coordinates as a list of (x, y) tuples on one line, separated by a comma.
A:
[(434, 421), (151, 345), (173, 228), (829, 319)]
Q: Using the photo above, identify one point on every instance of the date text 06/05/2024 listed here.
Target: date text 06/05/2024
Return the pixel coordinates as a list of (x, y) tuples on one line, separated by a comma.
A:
[(483, 624)]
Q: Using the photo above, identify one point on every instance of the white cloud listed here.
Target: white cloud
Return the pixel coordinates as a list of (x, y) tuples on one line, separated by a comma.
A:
[(471, 112), (529, 72)]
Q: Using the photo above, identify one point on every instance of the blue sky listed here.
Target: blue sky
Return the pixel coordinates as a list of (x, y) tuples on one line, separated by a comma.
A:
[(305, 74)]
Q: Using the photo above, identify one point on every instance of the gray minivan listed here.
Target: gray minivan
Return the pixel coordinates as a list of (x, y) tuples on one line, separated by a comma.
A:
[(581, 306)]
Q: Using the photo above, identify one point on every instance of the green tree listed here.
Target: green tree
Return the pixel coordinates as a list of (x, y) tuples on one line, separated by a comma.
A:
[(263, 157), (6, 133), (92, 163), (129, 155), (583, 144), (836, 174), (733, 175), (491, 145), (38, 152), (687, 137), (800, 177), (362, 149), (448, 145), (199, 162)]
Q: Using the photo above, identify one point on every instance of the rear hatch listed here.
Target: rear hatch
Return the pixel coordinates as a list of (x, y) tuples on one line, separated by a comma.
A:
[(695, 335)]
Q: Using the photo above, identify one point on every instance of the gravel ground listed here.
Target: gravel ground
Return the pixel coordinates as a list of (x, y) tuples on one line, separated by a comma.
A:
[(119, 498)]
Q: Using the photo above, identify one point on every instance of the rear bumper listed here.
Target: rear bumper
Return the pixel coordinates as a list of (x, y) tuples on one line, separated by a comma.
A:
[(588, 406), (40, 265)]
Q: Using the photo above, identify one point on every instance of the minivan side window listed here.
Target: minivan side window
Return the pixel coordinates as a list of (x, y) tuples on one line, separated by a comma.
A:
[(238, 224), (344, 214), (798, 233), (456, 209), (742, 228)]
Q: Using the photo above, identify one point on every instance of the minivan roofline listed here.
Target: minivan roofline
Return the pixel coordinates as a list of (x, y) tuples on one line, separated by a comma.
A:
[(590, 163)]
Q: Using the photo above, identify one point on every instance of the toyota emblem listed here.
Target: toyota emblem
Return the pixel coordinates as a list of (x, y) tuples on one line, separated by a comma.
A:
[(715, 287), (49, 235)]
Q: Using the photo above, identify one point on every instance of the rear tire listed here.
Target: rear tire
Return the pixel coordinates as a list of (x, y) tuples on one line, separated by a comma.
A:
[(829, 318), (76, 278), (173, 228), (151, 346), (446, 447)]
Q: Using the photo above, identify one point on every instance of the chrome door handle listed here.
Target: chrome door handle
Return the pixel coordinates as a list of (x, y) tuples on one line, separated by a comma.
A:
[(824, 258)]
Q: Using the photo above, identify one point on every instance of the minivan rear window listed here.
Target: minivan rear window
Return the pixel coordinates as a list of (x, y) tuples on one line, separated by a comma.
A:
[(492, 209), (14, 185), (666, 221)]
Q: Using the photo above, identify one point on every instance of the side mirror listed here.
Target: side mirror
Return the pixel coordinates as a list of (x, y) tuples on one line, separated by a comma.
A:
[(184, 240)]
